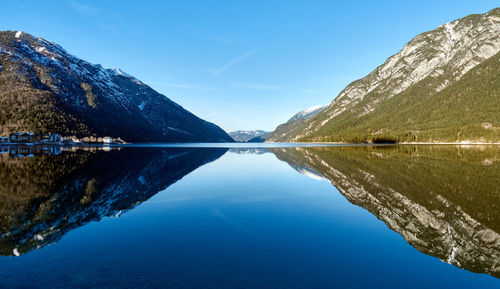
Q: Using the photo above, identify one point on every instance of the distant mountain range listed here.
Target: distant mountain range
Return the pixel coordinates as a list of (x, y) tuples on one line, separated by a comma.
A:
[(45, 89), (443, 86), (246, 135), (260, 138)]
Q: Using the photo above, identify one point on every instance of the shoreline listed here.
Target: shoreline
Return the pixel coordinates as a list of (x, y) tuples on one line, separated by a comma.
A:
[(407, 143), (243, 144)]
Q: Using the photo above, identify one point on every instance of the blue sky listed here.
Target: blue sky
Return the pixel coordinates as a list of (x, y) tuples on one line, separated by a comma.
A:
[(240, 64)]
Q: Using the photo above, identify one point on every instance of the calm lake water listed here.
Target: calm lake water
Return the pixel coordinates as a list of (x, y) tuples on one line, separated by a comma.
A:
[(250, 217)]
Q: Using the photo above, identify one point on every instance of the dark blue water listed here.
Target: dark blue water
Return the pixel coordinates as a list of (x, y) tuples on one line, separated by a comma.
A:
[(235, 219)]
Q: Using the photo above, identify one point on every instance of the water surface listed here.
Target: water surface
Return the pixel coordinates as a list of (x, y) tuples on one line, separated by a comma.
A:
[(250, 217)]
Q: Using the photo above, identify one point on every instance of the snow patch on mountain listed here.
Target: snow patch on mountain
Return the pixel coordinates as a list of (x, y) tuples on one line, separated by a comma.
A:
[(308, 112), (40, 49), (310, 173), (118, 71), (178, 130)]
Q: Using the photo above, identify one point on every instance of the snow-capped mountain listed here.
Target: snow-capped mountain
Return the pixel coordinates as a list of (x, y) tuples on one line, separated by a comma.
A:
[(441, 86), (246, 135), (295, 122), (46, 89), (308, 112)]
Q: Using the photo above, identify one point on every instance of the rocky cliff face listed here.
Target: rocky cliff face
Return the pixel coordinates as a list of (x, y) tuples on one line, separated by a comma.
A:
[(421, 194), (431, 62), (45, 89)]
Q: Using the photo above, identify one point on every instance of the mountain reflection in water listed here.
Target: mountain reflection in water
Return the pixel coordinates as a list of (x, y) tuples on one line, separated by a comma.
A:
[(443, 200), (45, 196)]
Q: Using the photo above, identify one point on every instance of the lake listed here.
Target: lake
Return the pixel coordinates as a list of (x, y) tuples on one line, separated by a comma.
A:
[(250, 216)]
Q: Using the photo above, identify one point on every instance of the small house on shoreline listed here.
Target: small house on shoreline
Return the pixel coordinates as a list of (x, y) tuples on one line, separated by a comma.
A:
[(107, 140), (29, 137), (54, 138), (25, 137)]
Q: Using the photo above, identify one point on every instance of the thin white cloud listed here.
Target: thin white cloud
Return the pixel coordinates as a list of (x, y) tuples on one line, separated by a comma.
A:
[(258, 86), (220, 70), (83, 8), (225, 40), (105, 26), (99, 16)]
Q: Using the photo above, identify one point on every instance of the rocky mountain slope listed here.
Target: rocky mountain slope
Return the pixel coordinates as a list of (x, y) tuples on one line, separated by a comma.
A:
[(246, 135), (285, 130), (45, 89), (443, 85)]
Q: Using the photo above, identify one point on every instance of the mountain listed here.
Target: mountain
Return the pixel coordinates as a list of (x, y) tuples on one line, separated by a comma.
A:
[(45, 89), (443, 85), (283, 131), (245, 135), (421, 193), (248, 151), (44, 197), (307, 113), (260, 138)]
